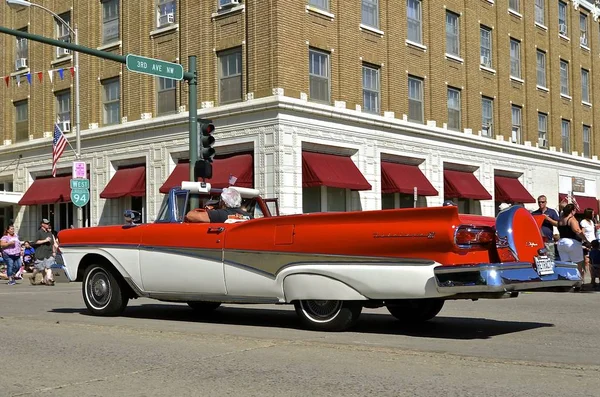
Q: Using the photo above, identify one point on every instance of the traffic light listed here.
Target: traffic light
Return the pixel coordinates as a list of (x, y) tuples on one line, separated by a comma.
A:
[(203, 169), (205, 130)]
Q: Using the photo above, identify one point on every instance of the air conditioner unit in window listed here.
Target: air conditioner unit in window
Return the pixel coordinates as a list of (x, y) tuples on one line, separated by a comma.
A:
[(486, 130), (166, 19), (228, 3), (542, 143), (562, 28), (583, 40), (21, 63), (485, 61), (65, 126), (61, 52)]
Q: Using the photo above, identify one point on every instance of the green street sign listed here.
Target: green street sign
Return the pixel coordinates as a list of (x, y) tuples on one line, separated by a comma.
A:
[(80, 184), (80, 197), (154, 67)]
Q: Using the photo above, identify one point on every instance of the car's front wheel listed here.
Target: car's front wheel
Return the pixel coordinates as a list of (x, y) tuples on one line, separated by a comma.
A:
[(328, 315), (203, 306), (102, 292), (415, 310)]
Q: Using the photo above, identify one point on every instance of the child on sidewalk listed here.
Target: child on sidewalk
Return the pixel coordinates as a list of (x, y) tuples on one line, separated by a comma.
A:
[(595, 262)]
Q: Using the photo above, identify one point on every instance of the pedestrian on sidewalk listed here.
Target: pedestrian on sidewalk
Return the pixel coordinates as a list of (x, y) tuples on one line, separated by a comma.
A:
[(11, 253), (44, 257), (550, 221)]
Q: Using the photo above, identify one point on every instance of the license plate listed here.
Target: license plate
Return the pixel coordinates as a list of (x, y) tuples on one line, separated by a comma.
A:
[(544, 265)]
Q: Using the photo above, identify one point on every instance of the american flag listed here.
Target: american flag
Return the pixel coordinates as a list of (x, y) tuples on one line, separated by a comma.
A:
[(232, 180), (59, 143)]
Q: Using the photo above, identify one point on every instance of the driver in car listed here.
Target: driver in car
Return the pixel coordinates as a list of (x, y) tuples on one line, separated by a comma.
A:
[(228, 210)]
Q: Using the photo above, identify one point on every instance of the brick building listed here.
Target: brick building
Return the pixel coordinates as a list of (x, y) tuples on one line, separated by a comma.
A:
[(328, 105)]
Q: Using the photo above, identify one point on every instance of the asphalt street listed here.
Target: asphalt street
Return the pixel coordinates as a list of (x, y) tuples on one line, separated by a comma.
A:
[(540, 344)]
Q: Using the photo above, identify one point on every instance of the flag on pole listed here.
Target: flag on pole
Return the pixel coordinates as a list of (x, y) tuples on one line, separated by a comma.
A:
[(232, 180), (59, 143)]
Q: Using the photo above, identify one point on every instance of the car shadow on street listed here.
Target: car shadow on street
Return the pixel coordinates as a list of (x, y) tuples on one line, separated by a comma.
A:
[(459, 328)]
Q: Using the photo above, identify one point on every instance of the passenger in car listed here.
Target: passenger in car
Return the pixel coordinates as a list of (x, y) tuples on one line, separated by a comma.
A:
[(228, 210)]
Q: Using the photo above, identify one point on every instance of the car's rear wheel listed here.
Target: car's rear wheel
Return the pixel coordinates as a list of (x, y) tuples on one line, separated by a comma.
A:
[(203, 306), (102, 292), (415, 310), (328, 315)]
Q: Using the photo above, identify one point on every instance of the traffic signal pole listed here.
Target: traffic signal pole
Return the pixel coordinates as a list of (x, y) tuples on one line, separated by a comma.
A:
[(193, 104)]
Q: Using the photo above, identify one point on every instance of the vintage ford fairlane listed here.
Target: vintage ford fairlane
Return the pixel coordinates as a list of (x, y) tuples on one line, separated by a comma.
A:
[(329, 265)]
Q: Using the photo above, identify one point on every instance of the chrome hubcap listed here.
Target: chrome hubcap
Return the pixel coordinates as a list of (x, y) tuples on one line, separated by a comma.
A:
[(321, 311)]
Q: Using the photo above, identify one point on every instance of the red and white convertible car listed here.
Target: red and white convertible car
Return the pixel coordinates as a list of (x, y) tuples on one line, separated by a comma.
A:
[(329, 265)]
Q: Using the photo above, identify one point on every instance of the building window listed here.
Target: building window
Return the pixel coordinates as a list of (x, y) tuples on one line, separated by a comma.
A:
[(564, 77), (370, 89), (21, 53), (562, 19), (565, 133), (322, 4), (63, 110), (516, 124), (110, 21), (542, 130), (514, 5), (541, 68), (111, 101), (540, 12), (454, 113), (487, 117), (415, 99), (166, 96), (323, 199), (587, 132), (413, 20), (318, 75), (22, 121), (486, 46), (63, 34), (166, 12), (583, 29), (230, 76), (370, 13), (585, 85), (452, 34), (515, 58)]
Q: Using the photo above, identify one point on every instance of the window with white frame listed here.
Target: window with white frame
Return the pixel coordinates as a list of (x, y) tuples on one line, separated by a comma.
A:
[(21, 120), (565, 134), (540, 11), (563, 27), (63, 110), (515, 58), (111, 101), (321, 4), (414, 21), (63, 33), (541, 68), (110, 21), (564, 77), (542, 130), (166, 12), (587, 132), (318, 72), (22, 51), (454, 109), (487, 116), (583, 29), (516, 134), (230, 76), (415, 99), (370, 13), (452, 33), (371, 89), (514, 5), (585, 85), (323, 199), (166, 96), (485, 46)]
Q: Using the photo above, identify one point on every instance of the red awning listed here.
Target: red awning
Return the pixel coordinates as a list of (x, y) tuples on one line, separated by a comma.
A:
[(462, 184), (48, 191), (320, 169), (403, 178), (126, 182), (510, 190), (241, 166), (583, 202)]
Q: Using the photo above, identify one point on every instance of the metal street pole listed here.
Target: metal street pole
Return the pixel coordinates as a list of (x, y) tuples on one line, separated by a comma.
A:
[(193, 126), (79, 221)]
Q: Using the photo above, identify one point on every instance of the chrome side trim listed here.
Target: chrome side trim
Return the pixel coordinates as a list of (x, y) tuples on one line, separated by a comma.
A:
[(190, 297), (504, 277), (137, 290)]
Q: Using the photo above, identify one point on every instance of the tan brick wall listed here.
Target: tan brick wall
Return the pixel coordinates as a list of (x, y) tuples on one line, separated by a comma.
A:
[(275, 37)]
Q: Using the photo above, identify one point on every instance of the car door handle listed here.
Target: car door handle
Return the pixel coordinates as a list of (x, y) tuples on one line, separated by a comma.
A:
[(216, 230)]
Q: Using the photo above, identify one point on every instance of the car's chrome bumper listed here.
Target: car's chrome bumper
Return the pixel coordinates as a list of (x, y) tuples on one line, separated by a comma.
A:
[(504, 277)]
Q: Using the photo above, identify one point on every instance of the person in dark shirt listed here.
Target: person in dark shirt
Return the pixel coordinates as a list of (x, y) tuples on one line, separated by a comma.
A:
[(550, 221), (595, 262), (228, 210)]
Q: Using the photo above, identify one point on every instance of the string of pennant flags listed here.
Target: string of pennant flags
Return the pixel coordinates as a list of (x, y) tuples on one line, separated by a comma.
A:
[(40, 75)]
